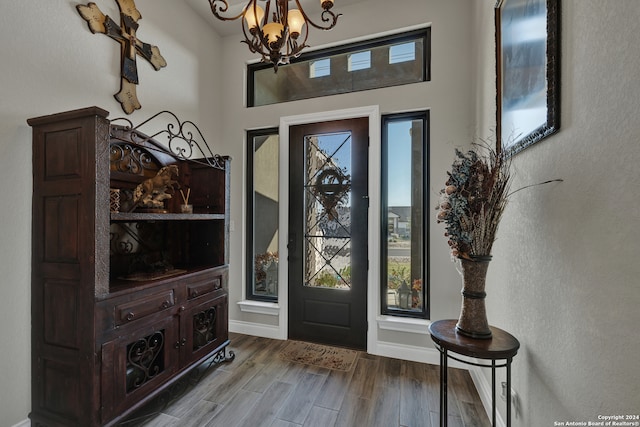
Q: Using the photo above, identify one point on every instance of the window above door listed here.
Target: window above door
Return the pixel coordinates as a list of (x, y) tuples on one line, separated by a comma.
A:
[(382, 62)]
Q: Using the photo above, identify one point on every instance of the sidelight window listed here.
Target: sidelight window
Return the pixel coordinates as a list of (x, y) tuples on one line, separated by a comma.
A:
[(262, 214), (404, 263)]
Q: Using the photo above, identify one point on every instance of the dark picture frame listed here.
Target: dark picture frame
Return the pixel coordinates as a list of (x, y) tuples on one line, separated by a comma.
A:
[(527, 71)]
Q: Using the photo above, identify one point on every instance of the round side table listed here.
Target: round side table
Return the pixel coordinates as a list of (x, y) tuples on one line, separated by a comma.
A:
[(502, 346)]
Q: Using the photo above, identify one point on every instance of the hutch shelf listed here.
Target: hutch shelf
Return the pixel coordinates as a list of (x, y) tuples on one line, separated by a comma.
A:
[(125, 301)]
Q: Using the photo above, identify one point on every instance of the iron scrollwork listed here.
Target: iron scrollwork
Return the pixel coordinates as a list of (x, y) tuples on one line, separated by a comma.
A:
[(129, 158), (204, 328), (178, 389), (144, 360), (184, 140)]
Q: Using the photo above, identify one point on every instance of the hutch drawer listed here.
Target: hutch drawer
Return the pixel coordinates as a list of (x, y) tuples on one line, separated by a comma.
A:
[(138, 309), (195, 290)]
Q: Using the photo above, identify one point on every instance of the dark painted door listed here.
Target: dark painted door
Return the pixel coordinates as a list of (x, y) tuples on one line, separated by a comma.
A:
[(328, 204)]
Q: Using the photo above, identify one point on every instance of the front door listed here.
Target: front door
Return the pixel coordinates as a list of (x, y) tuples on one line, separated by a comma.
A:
[(328, 204)]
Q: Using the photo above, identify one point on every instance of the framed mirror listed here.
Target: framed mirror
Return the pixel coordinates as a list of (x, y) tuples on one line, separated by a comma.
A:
[(528, 72)]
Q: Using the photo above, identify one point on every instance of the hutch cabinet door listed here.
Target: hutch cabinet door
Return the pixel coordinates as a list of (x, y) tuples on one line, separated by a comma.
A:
[(204, 328), (135, 365)]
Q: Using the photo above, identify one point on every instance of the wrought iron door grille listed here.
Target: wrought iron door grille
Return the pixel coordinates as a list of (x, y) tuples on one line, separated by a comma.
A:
[(327, 201)]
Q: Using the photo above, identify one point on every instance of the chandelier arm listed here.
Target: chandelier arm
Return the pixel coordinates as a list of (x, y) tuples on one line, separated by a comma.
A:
[(280, 15), (255, 41), (261, 42), (223, 8), (294, 48), (327, 16), (267, 10), (254, 45), (250, 41)]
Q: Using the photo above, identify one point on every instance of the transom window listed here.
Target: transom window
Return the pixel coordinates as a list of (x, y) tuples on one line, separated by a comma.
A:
[(360, 61), (402, 53), (319, 68), (387, 61)]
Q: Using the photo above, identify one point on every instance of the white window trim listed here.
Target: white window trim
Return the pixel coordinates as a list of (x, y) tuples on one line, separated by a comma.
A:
[(404, 324), (259, 307)]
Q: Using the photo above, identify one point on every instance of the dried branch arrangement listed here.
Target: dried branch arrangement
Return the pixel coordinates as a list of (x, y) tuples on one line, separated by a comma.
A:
[(474, 199)]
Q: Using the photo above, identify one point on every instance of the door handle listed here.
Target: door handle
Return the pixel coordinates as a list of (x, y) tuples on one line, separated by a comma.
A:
[(291, 245)]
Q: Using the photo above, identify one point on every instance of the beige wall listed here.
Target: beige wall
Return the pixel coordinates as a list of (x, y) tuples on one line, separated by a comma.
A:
[(564, 278), (51, 62), (447, 96)]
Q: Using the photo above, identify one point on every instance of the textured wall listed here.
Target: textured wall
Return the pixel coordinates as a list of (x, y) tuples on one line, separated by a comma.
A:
[(51, 62), (564, 278)]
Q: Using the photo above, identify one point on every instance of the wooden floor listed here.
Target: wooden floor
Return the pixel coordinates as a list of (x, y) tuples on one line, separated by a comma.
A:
[(258, 389)]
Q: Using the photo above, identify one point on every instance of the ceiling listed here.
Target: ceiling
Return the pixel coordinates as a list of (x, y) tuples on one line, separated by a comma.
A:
[(226, 28)]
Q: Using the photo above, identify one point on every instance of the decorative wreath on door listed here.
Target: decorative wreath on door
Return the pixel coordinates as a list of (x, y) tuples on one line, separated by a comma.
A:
[(330, 188)]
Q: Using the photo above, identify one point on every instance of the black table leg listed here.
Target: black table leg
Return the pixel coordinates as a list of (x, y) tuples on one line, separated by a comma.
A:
[(443, 389), (493, 393), (508, 392)]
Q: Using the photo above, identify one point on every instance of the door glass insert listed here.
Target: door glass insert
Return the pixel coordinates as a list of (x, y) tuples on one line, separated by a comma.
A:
[(327, 201)]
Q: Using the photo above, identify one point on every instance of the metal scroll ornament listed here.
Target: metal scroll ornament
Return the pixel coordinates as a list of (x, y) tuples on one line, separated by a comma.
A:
[(180, 139), (204, 328), (144, 360)]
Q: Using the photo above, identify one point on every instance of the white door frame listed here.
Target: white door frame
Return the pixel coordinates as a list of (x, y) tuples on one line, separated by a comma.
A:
[(373, 276)]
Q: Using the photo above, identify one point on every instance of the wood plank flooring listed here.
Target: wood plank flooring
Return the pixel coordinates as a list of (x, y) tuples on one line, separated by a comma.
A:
[(260, 389)]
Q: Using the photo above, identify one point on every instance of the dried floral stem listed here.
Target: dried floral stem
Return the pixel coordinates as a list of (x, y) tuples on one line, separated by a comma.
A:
[(535, 185)]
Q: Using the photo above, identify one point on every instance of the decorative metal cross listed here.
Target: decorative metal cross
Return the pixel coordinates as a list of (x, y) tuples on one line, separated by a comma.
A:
[(125, 34)]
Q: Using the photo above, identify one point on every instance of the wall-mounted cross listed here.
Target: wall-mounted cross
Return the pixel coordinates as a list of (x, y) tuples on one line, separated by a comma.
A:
[(131, 46)]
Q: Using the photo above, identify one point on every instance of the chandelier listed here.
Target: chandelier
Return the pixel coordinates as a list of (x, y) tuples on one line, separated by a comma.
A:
[(275, 30)]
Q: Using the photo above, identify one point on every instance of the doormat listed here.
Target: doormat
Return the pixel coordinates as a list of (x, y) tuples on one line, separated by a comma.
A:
[(340, 359)]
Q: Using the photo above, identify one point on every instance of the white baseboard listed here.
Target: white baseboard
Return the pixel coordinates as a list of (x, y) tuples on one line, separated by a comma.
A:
[(255, 329), (406, 352), (24, 423), (413, 353)]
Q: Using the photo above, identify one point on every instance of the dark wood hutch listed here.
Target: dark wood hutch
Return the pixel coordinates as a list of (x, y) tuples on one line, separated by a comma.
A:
[(124, 303)]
